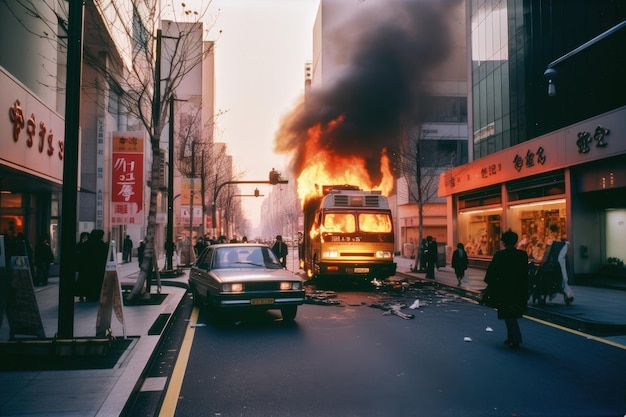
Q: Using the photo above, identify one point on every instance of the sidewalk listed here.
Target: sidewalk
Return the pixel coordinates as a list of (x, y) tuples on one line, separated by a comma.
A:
[(595, 310), (90, 392)]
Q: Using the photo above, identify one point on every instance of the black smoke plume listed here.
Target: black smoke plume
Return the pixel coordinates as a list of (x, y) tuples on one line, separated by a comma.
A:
[(385, 48)]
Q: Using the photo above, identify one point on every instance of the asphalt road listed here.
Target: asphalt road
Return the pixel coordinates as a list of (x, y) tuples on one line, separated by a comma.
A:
[(352, 360)]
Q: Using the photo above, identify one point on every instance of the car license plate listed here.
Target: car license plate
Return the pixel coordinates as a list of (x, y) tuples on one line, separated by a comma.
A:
[(258, 301), (361, 270)]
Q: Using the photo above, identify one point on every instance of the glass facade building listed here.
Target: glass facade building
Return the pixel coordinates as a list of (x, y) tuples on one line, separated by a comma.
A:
[(512, 44), (547, 123)]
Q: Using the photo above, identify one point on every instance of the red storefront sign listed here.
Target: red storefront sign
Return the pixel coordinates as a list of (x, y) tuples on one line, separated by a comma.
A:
[(127, 182)]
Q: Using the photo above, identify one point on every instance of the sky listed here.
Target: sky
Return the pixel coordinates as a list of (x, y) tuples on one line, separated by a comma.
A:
[(259, 68)]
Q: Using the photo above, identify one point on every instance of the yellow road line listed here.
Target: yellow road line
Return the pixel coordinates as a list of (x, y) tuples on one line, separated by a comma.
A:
[(176, 381), (576, 332)]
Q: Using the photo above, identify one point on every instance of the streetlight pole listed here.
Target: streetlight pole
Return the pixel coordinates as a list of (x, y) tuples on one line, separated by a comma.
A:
[(169, 244), (192, 192), (274, 179), (70, 169)]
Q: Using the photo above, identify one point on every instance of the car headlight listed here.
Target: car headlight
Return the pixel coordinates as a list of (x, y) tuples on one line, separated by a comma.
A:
[(383, 254), (330, 254), (236, 287), (287, 285)]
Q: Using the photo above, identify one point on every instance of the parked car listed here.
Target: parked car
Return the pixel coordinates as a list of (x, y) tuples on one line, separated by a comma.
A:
[(244, 276)]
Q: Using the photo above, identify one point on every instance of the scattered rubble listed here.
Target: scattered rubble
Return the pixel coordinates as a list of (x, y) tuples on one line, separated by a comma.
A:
[(394, 309), (321, 297)]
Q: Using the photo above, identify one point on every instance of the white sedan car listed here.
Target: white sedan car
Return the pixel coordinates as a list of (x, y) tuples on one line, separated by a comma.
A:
[(245, 276)]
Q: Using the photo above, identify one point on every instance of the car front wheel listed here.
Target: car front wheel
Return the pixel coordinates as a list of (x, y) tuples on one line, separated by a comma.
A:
[(196, 298), (289, 313)]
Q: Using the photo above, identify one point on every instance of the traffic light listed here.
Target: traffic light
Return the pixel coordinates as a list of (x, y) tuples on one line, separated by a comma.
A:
[(274, 177), (256, 192)]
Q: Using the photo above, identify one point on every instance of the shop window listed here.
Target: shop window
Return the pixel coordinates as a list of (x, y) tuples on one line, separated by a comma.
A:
[(538, 224), (480, 231)]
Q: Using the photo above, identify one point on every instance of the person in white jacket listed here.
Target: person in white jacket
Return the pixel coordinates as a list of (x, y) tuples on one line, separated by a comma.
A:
[(566, 290)]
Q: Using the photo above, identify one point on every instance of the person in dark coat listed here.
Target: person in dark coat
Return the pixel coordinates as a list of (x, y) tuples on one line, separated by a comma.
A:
[(459, 262), (507, 282), (92, 266), (280, 249), (43, 258), (80, 285), (127, 249), (431, 257)]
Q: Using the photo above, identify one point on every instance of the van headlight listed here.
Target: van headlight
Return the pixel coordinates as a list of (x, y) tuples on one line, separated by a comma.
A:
[(330, 254), (383, 254)]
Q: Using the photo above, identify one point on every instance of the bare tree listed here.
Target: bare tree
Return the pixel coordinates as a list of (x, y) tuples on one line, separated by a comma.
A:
[(421, 163), (145, 76), (130, 62)]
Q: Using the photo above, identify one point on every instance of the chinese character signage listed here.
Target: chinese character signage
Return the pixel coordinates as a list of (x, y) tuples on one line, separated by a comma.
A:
[(32, 135), (127, 181)]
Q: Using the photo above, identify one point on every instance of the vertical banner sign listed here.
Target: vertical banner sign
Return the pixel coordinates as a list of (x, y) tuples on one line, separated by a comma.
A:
[(127, 178), (100, 174), (187, 189), (110, 297)]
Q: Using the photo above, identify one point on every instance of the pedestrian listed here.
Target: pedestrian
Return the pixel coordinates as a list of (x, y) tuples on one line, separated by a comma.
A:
[(199, 246), (554, 269), (423, 249), (459, 262), (507, 283), (280, 249), (80, 283), (93, 264), (43, 258), (127, 249), (431, 257), (141, 250)]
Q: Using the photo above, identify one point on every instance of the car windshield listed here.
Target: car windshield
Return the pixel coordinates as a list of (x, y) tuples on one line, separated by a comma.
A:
[(245, 256)]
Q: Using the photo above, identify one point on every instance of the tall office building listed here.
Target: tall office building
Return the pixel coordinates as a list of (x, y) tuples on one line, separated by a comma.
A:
[(547, 122)]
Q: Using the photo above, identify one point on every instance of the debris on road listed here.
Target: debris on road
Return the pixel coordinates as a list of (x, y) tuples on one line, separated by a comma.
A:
[(320, 297), (416, 304), (393, 309), (391, 285), (467, 339)]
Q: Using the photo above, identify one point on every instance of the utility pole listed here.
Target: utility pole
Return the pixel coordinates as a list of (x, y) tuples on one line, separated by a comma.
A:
[(193, 196), (169, 243), (70, 169)]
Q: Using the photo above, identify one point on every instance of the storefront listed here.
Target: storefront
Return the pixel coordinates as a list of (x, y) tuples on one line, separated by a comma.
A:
[(31, 164), (566, 185)]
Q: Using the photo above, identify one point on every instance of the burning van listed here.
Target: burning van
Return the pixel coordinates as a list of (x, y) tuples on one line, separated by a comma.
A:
[(348, 235)]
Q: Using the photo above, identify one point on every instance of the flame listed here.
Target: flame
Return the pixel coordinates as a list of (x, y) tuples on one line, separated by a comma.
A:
[(324, 167)]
